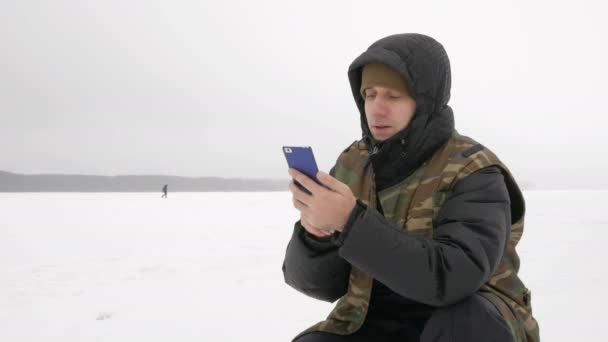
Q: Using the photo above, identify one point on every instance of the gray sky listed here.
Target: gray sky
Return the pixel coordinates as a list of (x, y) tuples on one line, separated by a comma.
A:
[(215, 88)]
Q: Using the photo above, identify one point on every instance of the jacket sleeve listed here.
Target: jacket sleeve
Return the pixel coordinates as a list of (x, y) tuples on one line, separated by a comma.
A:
[(467, 244), (313, 265)]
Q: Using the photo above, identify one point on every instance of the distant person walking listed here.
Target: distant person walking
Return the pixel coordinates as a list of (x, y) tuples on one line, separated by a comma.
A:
[(164, 191)]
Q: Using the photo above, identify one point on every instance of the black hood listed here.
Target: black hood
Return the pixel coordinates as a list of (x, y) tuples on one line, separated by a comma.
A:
[(424, 64)]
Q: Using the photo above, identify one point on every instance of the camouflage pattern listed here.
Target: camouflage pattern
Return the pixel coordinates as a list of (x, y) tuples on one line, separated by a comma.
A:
[(414, 204)]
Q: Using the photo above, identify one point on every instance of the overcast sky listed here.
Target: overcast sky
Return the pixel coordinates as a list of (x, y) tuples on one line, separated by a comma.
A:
[(215, 88)]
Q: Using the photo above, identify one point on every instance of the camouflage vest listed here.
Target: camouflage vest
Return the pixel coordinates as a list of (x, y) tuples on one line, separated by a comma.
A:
[(413, 204)]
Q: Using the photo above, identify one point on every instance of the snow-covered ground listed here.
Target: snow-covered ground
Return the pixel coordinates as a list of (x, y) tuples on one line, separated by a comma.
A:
[(207, 267)]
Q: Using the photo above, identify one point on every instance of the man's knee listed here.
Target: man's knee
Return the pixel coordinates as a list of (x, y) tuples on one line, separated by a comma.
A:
[(472, 319)]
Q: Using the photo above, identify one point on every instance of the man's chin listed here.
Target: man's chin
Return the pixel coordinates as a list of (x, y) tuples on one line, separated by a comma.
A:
[(381, 138)]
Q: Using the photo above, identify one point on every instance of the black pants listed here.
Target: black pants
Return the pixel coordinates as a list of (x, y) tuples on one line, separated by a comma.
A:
[(471, 320)]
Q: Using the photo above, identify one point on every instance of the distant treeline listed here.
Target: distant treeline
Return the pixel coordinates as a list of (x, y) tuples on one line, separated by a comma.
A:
[(12, 182)]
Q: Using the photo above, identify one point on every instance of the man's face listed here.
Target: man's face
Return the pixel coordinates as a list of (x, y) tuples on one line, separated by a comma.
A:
[(388, 111)]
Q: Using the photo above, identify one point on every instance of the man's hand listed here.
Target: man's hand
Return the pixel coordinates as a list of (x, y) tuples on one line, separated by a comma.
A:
[(328, 207)]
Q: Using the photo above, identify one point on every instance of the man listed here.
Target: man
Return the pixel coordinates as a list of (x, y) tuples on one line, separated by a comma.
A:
[(416, 225), (164, 195)]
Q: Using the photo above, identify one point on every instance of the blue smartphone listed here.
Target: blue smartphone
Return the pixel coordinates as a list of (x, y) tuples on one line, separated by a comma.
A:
[(302, 159)]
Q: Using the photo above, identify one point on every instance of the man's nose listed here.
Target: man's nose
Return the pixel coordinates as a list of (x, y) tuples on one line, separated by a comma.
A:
[(379, 107)]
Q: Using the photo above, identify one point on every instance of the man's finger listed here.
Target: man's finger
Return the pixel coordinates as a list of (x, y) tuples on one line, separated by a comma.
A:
[(304, 218), (331, 182), (299, 194), (306, 182), (312, 229), (302, 207)]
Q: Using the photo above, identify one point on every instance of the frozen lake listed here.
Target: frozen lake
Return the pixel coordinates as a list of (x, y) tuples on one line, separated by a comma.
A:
[(207, 266)]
